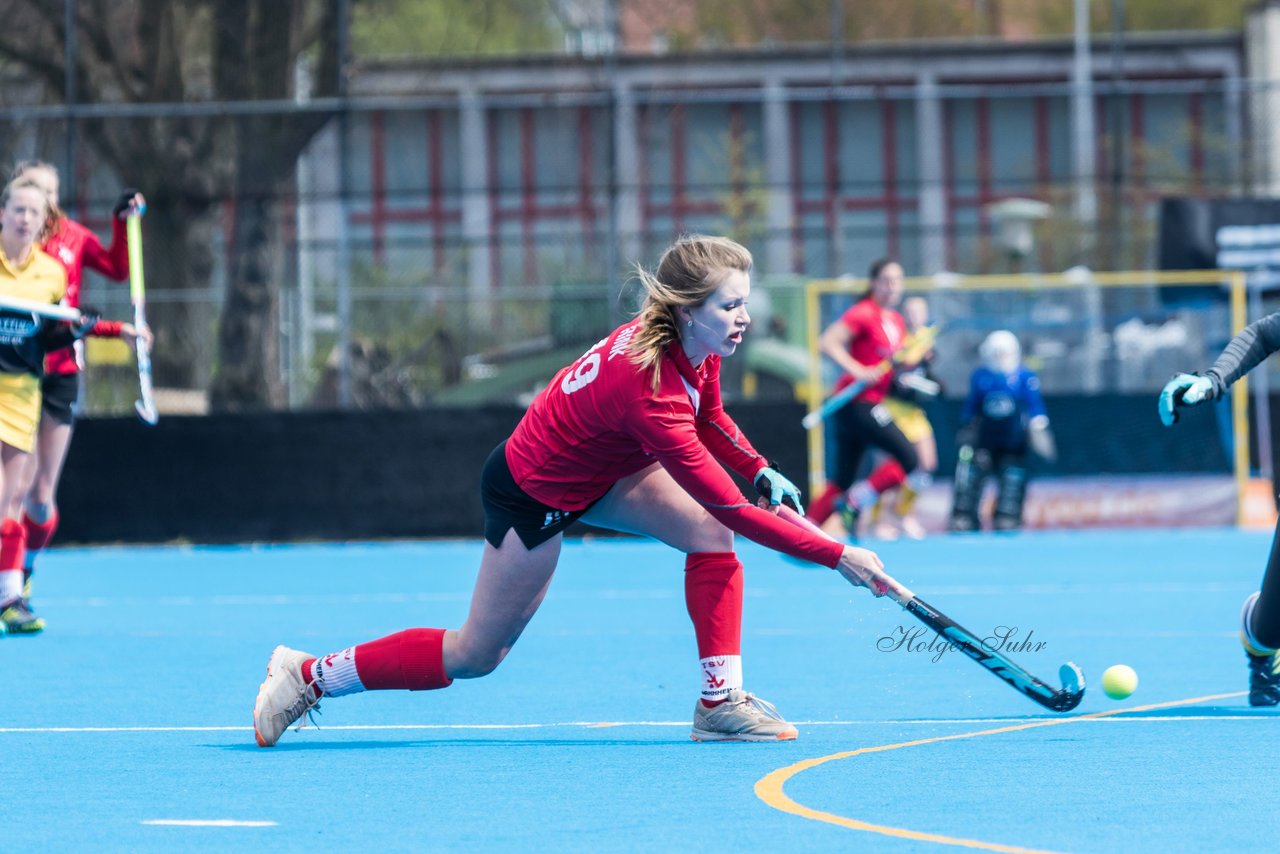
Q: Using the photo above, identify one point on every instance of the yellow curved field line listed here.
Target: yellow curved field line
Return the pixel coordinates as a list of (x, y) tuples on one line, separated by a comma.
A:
[(769, 787)]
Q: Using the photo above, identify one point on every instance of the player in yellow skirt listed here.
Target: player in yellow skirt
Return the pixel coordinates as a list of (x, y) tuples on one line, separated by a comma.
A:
[(911, 387), (26, 274)]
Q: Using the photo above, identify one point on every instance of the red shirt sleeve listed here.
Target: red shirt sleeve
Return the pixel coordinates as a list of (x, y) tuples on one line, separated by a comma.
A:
[(669, 434), (107, 329), (113, 262), (721, 435)]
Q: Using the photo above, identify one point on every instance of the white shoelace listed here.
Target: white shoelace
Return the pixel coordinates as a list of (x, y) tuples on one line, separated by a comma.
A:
[(310, 708), (764, 707)]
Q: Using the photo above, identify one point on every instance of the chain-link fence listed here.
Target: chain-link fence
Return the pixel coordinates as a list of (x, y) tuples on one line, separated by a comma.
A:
[(454, 229)]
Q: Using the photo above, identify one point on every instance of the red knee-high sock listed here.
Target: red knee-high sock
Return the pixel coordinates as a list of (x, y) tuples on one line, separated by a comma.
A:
[(713, 595), (411, 660), (12, 546), (38, 535), (887, 475), (821, 508)]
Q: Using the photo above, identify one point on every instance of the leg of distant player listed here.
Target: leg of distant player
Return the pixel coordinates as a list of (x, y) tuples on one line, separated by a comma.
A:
[(859, 425), (511, 585), (927, 450), (1011, 477), (882, 520), (1260, 633), (13, 614), (972, 469), (40, 511), (875, 423), (850, 446)]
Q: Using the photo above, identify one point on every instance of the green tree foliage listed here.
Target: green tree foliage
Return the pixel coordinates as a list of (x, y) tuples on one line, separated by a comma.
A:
[(391, 28), (1057, 17), (752, 23)]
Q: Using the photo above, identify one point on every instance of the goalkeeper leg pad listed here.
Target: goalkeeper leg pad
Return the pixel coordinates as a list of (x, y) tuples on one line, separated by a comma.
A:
[(967, 491), (1012, 496)]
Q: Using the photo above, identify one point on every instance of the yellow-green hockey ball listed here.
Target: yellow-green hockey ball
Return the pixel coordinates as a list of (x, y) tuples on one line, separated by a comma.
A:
[(1119, 681)]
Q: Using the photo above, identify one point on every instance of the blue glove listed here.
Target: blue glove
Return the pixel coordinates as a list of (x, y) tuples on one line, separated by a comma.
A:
[(1183, 390), (778, 489)]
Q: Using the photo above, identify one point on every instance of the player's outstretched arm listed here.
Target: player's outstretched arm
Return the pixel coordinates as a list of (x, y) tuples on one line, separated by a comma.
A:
[(1255, 342)]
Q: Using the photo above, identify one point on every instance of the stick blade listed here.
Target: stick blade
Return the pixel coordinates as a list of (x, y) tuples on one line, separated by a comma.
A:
[(147, 413), (1072, 687)]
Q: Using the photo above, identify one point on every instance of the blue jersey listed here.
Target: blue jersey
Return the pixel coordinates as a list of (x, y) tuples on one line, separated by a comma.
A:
[(1005, 405)]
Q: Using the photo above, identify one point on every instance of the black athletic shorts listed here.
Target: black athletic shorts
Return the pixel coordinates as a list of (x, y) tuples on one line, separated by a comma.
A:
[(507, 506), (58, 393)]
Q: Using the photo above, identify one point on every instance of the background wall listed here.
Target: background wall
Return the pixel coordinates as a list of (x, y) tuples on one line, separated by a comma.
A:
[(334, 476)]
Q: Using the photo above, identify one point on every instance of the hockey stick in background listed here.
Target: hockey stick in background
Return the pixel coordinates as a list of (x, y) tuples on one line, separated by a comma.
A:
[(1064, 700), (910, 351), (57, 311), (146, 405)]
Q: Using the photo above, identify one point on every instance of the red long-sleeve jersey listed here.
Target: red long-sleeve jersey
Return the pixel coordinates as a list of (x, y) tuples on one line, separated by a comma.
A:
[(598, 421), (77, 247), (877, 334)]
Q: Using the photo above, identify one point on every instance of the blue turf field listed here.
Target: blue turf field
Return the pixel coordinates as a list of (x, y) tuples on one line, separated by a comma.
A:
[(134, 707)]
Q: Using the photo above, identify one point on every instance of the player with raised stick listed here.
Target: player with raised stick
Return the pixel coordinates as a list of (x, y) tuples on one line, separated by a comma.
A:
[(1260, 615), (628, 437), (75, 247)]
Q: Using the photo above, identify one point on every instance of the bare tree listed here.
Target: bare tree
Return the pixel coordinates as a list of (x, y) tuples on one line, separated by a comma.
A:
[(138, 52)]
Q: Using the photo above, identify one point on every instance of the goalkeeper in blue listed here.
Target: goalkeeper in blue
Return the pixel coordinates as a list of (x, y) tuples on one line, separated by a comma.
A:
[(1003, 423), (1260, 616)]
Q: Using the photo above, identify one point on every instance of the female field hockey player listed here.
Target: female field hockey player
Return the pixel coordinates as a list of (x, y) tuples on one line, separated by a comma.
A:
[(910, 389), (1260, 616), (75, 247), (626, 438), (26, 273), (870, 332)]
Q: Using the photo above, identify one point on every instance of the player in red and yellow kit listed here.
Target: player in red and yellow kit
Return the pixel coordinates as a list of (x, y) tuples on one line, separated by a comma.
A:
[(627, 438), (867, 335), (76, 248), (26, 273)]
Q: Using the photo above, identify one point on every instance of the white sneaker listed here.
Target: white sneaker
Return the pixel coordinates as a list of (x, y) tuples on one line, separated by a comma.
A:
[(741, 717), (284, 696)]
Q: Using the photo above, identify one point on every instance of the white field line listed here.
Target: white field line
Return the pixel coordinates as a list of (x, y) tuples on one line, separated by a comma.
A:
[(207, 822), (610, 724)]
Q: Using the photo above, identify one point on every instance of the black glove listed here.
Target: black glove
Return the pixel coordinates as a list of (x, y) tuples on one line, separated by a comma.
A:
[(89, 318), (123, 204), (56, 334), (774, 486)]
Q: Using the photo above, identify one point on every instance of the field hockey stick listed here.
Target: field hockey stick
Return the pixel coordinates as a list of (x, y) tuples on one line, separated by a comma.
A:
[(916, 348), (146, 405), (1004, 668), (44, 309)]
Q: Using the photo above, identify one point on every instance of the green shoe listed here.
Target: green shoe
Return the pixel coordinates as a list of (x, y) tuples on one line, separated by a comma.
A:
[(19, 620), (849, 516)]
